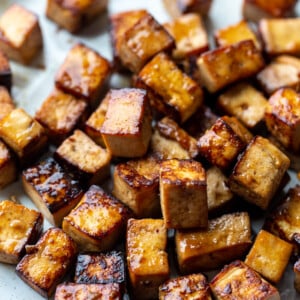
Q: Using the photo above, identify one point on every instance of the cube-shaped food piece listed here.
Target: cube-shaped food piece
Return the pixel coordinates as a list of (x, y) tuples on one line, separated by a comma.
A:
[(258, 173), (22, 40), (269, 256), (193, 286), (48, 261), (225, 65), (83, 157), (6, 103), (19, 227), (73, 14), (5, 72), (147, 258), (24, 135), (51, 189), (226, 238), (297, 275), (97, 222), (136, 183), (238, 281), (183, 198), (83, 73), (171, 92), (143, 40), (275, 39), (244, 102), (126, 129)]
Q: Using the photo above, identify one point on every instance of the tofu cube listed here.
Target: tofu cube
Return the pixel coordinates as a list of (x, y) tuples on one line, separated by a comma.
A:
[(6, 103), (20, 41), (171, 92), (226, 238), (147, 259), (225, 65), (19, 227), (126, 129), (256, 184), (297, 275), (180, 180), (5, 72), (238, 281), (73, 15), (105, 223), (51, 189), (51, 258), (83, 157)]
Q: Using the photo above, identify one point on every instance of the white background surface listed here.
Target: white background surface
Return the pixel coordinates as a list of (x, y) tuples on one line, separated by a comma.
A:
[(33, 84)]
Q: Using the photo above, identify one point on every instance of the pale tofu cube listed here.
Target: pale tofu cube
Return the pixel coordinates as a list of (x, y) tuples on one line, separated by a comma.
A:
[(297, 275), (5, 72), (6, 103)]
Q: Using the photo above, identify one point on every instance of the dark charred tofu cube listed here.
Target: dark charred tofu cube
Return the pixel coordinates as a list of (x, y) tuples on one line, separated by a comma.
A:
[(259, 185), (82, 156), (5, 72), (183, 194), (238, 281), (47, 262), (126, 129), (6, 103), (147, 258), (297, 275), (97, 222), (51, 189), (20, 41), (171, 92), (73, 15), (225, 65), (19, 227)]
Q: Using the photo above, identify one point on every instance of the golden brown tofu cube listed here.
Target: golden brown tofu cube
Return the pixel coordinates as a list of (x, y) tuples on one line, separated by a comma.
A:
[(19, 227), (48, 261), (104, 225), (225, 65), (6, 103), (5, 72), (238, 281), (297, 275), (126, 129), (51, 189), (22, 40), (171, 92), (73, 15), (259, 185), (147, 258), (180, 180)]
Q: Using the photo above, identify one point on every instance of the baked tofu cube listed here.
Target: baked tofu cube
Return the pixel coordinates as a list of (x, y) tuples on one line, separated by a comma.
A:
[(19, 227), (136, 183), (51, 189), (256, 184), (238, 281), (83, 157), (180, 180), (225, 65), (171, 92), (126, 129), (297, 275), (193, 286), (226, 238), (147, 258), (104, 225), (50, 258), (83, 73), (6, 103), (5, 72), (20, 41), (269, 256), (73, 14), (24, 135)]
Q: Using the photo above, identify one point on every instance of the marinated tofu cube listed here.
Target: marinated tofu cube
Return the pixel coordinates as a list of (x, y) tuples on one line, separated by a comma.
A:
[(20, 41), (6, 103), (225, 65), (297, 275), (259, 185), (126, 129), (73, 15), (171, 92), (183, 194), (238, 281), (5, 72), (147, 258), (51, 258), (97, 222), (51, 189), (19, 227), (226, 238)]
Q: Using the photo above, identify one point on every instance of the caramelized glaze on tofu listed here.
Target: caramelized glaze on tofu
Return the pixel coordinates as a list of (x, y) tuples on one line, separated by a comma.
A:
[(5, 72), (6, 103)]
